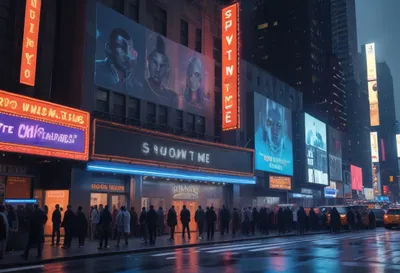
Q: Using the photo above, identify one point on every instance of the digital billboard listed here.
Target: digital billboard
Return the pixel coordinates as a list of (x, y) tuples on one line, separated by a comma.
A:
[(32, 126), (316, 150), (374, 147), (398, 145), (371, 61), (372, 84), (280, 182), (29, 42), (356, 178), (133, 60), (272, 136), (230, 67), (335, 155)]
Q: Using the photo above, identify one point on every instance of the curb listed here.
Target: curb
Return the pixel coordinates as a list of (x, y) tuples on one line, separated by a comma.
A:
[(145, 250)]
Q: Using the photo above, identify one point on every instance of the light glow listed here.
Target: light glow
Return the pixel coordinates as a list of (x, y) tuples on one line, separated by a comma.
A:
[(19, 201)]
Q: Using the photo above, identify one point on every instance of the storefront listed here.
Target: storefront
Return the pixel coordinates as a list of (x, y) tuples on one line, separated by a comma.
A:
[(152, 168)]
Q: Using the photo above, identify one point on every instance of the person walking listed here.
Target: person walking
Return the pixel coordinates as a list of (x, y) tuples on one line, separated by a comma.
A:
[(123, 225), (200, 217), (301, 220), (372, 220), (281, 221), (151, 218), (36, 231), (4, 231), (235, 221), (224, 218), (160, 221), (143, 225), (81, 226), (172, 221), (185, 220), (211, 218), (105, 227), (134, 221), (68, 224), (56, 220), (94, 222)]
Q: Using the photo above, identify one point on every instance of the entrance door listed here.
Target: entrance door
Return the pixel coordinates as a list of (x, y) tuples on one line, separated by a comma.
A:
[(118, 200), (192, 207)]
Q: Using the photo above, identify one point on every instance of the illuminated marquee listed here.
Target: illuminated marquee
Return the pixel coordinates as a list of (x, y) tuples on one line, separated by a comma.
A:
[(29, 42), (38, 127), (230, 68)]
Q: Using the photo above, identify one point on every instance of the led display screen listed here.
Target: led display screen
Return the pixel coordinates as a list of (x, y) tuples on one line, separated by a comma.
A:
[(335, 154)]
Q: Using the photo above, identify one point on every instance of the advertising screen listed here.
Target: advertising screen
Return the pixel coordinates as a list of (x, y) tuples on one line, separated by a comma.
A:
[(272, 136), (398, 145), (280, 182), (32, 126), (372, 84), (371, 61), (356, 178), (374, 147), (316, 150), (230, 67), (335, 155), (133, 60)]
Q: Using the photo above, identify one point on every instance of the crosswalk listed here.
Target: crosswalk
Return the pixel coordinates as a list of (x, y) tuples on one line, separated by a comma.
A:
[(268, 245)]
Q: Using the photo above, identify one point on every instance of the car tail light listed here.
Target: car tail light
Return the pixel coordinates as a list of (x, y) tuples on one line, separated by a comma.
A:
[(385, 216)]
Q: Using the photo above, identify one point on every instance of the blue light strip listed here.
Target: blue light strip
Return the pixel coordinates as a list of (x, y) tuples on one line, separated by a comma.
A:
[(20, 201), (110, 167)]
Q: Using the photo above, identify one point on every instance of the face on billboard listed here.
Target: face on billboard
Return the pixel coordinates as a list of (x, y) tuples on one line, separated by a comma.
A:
[(133, 60), (335, 155), (273, 136), (374, 147), (373, 102), (316, 150)]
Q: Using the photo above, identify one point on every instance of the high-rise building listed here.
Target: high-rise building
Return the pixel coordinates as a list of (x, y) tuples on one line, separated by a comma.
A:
[(337, 117)]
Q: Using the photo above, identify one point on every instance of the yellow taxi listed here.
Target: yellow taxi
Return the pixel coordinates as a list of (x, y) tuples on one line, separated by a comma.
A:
[(342, 212), (392, 218)]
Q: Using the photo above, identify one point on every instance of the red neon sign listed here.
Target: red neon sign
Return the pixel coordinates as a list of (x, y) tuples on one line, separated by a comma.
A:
[(230, 68)]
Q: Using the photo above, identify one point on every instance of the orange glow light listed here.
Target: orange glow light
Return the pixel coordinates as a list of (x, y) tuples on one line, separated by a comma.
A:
[(230, 68), (29, 42)]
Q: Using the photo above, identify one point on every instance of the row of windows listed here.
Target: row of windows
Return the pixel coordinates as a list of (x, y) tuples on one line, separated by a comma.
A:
[(185, 36), (130, 108)]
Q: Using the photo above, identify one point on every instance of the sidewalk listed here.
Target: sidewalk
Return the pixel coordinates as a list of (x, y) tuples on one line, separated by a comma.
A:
[(57, 254)]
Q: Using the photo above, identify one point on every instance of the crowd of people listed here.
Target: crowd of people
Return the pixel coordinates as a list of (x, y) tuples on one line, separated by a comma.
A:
[(104, 224)]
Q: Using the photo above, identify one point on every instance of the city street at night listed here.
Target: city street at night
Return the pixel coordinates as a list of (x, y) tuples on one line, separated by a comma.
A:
[(365, 251)]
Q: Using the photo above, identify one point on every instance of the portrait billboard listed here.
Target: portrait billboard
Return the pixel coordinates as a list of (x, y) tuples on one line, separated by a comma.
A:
[(316, 150), (272, 136), (133, 60), (31, 126), (374, 147), (356, 178), (230, 67), (398, 145), (335, 155)]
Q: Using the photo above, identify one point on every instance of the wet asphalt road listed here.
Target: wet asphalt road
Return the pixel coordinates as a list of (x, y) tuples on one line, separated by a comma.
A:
[(366, 251)]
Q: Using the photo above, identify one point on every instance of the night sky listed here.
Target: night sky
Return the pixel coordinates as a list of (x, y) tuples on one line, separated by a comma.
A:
[(378, 21)]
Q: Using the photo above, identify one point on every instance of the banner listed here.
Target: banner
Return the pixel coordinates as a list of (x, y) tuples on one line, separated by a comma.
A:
[(374, 147), (280, 182)]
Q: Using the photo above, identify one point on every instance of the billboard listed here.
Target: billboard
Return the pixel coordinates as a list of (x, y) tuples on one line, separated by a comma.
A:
[(356, 178), (374, 147), (398, 145), (372, 84), (230, 67), (272, 136), (29, 42), (133, 60), (335, 155), (280, 182), (36, 127), (371, 61), (316, 150)]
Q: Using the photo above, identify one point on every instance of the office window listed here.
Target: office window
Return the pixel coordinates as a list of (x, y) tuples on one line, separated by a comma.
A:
[(198, 40), (218, 75), (134, 109), (179, 119), (151, 113), (258, 81), (190, 122), (217, 44), (118, 105), (201, 125), (160, 20), (119, 5), (102, 100), (184, 33), (134, 10), (163, 115), (249, 73)]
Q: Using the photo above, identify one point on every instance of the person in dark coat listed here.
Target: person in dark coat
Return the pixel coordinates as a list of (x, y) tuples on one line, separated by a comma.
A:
[(235, 221), (160, 221), (350, 220), (281, 221), (56, 220), (81, 226), (143, 225), (211, 218), (134, 221), (312, 220), (151, 219), (358, 220), (68, 224), (105, 224), (224, 218), (301, 220), (254, 221), (36, 231), (288, 219), (335, 220), (172, 221), (372, 220), (185, 220), (263, 218), (200, 217)]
